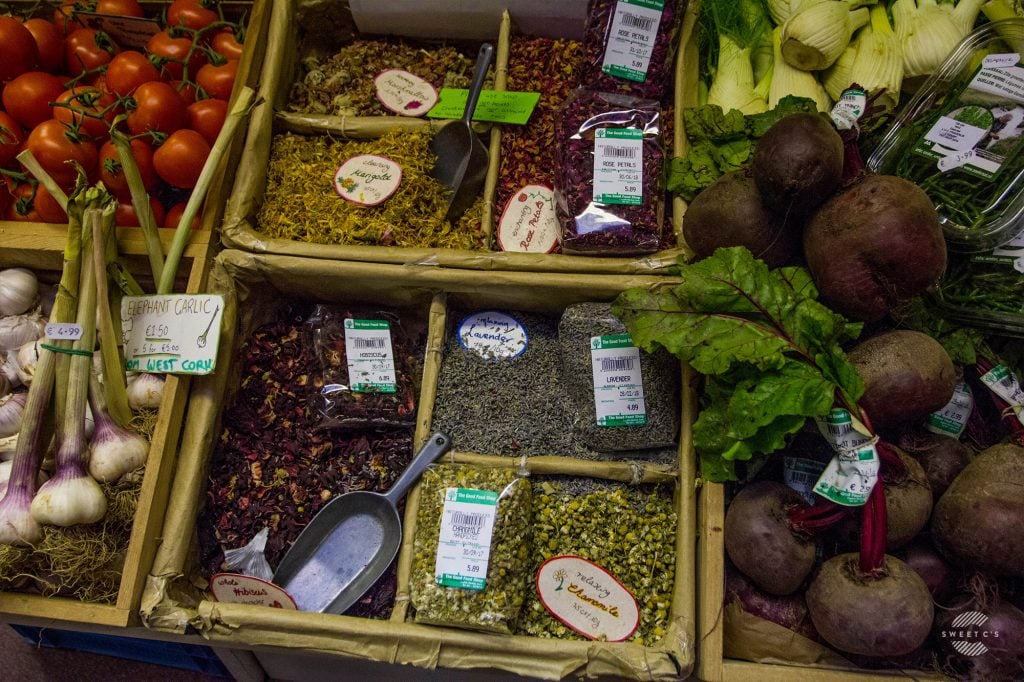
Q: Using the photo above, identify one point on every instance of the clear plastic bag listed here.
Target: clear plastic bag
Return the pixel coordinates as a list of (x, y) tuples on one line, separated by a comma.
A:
[(460, 507), (608, 184)]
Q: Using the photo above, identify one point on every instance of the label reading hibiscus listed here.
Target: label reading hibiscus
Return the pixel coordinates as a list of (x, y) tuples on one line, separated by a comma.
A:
[(371, 361), (618, 385), (529, 223), (631, 38), (951, 420), (618, 166), (235, 588), (1001, 381), (464, 544), (367, 179), (853, 471), (404, 93)]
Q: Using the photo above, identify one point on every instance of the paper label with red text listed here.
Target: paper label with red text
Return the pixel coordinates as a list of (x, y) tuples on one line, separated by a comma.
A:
[(529, 223), (235, 588)]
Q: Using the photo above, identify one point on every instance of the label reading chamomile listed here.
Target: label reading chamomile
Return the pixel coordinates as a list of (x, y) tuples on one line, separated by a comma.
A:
[(587, 598), (404, 93), (618, 385), (493, 335), (464, 543), (951, 420), (529, 223), (1001, 381), (618, 166), (852, 473), (631, 38), (371, 361), (367, 179)]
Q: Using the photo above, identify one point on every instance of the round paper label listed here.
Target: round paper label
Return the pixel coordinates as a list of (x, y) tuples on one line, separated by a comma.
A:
[(404, 93), (529, 223), (367, 179), (235, 588), (587, 598), (493, 335)]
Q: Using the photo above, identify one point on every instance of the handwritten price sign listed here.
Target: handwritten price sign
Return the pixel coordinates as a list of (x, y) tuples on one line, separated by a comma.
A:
[(63, 331)]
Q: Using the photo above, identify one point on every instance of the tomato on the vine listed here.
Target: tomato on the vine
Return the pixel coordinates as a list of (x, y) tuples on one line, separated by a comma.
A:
[(111, 172), (180, 159), (122, 8), (173, 53), (87, 108), (11, 138), (186, 91), (191, 14), (19, 50), (54, 146), (128, 70), (217, 81), (157, 108), (27, 98), (226, 44), (206, 117), (49, 42), (86, 49), (174, 214), (64, 16), (34, 204), (125, 216)]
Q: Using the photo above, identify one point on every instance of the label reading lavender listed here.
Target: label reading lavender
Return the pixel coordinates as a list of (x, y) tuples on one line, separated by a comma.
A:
[(529, 223), (371, 360), (587, 598), (853, 471), (404, 93), (367, 179), (464, 544), (631, 38), (618, 166), (493, 335), (1001, 381), (618, 385), (235, 588), (951, 420)]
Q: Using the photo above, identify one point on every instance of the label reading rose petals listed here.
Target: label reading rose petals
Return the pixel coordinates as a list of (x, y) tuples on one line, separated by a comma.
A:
[(404, 93), (367, 179), (587, 598), (529, 223), (235, 588)]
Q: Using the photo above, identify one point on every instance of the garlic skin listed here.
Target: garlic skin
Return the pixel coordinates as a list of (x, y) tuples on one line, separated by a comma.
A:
[(19, 291), (5, 475), (9, 369), (17, 330), (17, 527), (68, 501), (25, 362), (12, 407), (115, 452), (145, 391)]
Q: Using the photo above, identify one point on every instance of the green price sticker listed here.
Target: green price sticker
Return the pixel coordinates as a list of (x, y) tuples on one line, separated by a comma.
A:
[(493, 106)]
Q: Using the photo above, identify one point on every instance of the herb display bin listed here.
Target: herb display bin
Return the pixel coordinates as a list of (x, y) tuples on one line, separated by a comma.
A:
[(241, 229), (175, 598), (41, 248)]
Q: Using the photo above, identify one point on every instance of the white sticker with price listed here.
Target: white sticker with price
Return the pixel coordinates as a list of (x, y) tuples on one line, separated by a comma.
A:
[(63, 331), (1001, 381), (464, 544), (852, 473)]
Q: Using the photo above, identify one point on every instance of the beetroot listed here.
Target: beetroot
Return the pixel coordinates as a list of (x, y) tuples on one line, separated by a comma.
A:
[(984, 638), (789, 611), (874, 246), (798, 163), (979, 521), (908, 503), (942, 457), (759, 541), (933, 569)]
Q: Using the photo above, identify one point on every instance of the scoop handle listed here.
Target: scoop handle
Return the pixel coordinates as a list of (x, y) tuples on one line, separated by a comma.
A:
[(483, 60), (435, 446)]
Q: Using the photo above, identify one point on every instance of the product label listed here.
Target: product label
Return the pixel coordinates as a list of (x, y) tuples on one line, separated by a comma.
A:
[(1012, 253), (507, 106), (404, 93), (235, 588), (618, 385), (801, 474), (371, 361), (848, 110), (171, 334), (529, 223), (951, 420), (1001, 381), (367, 179), (587, 598), (63, 331), (464, 545), (493, 335), (618, 166), (852, 473), (983, 126), (128, 33), (631, 38)]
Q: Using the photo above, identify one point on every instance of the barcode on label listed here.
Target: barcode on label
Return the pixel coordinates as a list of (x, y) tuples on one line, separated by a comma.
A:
[(464, 519), (1008, 382), (616, 364), (801, 477), (838, 429), (633, 21), (619, 152), (369, 343)]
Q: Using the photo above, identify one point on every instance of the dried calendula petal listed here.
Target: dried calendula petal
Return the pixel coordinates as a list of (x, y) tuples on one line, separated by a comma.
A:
[(495, 607)]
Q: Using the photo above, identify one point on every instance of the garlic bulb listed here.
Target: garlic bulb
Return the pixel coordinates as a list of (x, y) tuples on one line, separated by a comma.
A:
[(17, 330), (145, 391), (19, 290), (25, 362), (9, 369), (12, 406)]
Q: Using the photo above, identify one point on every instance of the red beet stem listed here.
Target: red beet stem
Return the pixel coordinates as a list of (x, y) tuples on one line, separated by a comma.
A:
[(811, 520), (873, 531), (893, 468)]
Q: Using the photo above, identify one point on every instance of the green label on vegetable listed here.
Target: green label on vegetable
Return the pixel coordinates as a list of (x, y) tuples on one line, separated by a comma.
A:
[(618, 166), (618, 384), (951, 420), (630, 39), (464, 545), (852, 473), (371, 360), (1001, 381), (494, 106)]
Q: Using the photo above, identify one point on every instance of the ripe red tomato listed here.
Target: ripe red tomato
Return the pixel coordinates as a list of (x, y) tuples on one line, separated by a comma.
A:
[(123, 8), (111, 172), (206, 117), (157, 107), (33, 204), (128, 70), (11, 138), (18, 50), (173, 53), (180, 159), (226, 44), (127, 217), (64, 16), (27, 98), (186, 91), (217, 81), (86, 49), (174, 214), (49, 42), (87, 108), (191, 14), (54, 145)]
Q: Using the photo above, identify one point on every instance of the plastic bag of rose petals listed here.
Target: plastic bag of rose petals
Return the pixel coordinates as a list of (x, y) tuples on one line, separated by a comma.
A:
[(608, 183)]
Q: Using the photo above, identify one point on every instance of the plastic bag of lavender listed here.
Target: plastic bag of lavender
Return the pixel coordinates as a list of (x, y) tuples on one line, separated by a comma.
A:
[(622, 398), (608, 180)]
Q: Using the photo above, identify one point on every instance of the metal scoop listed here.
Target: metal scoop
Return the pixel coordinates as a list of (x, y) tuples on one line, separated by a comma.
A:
[(461, 164), (350, 542)]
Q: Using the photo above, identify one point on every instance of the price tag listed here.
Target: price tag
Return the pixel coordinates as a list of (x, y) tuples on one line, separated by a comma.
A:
[(618, 384), (852, 473), (171, 334), (529, 223), (464, 544), (496, 107), (235, 588), (951, 420), (955, 160), (63, 331), (493, 335), (1001, 381), (404, 93), (801, 474), (587, 598), (371, 360), (995, 61), (631, 38), (848, 110), (618, 166), (367, 179)]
